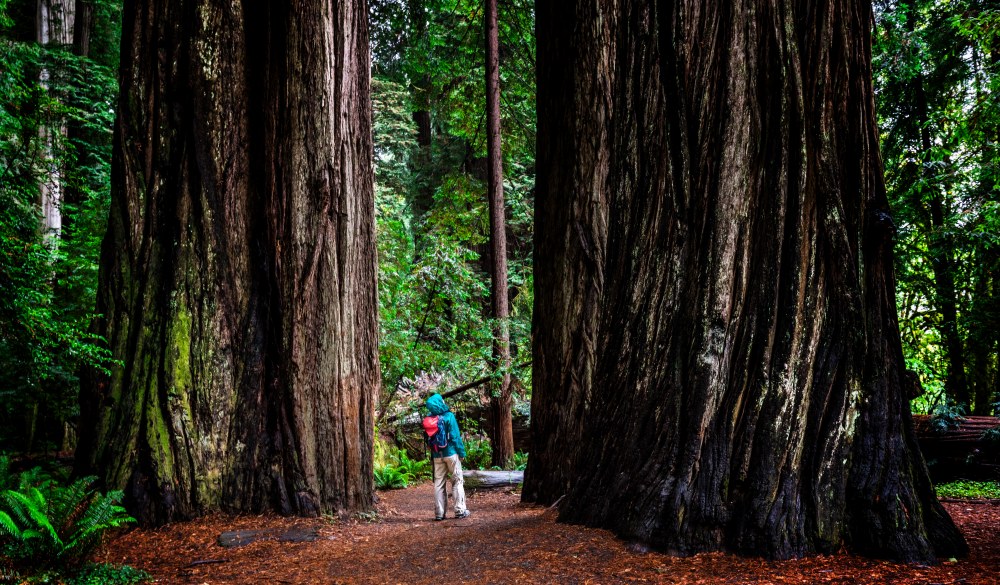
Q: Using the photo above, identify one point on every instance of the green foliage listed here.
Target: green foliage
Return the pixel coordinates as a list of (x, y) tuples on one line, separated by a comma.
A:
[(383, 450), (991, 439), (946, 417), (413, 468), (478, 452), (431, 196), (106, 574), (49, 525), (54, 133), (976, 490), (520, 460), (391, 478), (395, 469), (937, 74)]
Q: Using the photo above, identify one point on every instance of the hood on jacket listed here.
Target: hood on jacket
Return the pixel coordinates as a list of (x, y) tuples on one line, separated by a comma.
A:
[(436, 405)]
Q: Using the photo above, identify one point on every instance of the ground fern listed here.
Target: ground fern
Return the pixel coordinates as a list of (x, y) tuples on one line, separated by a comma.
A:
[(103, 513), (45, 523), (390, 478)]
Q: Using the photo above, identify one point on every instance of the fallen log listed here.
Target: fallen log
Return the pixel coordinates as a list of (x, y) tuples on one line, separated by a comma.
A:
[(446, 394), (486, 479), (964, 449)]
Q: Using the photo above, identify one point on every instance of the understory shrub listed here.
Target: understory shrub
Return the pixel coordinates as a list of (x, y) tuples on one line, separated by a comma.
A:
[(105, 574), (415, 468), (395, 469), (977, 490), (47, 529), (946, 417), (478, 452), (391, 478)]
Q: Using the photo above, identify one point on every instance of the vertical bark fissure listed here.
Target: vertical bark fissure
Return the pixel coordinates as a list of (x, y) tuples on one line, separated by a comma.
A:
[(238, 261), (748, 356)]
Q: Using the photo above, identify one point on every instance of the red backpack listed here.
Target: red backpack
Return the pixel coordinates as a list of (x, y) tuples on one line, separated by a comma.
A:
[(436, 434)]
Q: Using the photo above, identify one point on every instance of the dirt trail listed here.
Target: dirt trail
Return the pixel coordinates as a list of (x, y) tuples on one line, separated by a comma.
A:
[(502, 542)]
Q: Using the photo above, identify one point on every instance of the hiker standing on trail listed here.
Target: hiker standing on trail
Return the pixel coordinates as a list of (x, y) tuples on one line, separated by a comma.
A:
[(447, 452)]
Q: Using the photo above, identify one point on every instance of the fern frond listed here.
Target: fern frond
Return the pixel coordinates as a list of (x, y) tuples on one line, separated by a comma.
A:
[(31, 534), (102, 514), (15, 508), (35, 506), (33, 477), (8, 526), (66, 504)]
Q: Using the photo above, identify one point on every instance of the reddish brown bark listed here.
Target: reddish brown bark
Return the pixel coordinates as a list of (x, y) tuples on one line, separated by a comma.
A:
[(238, 274), (501, 401), (717, 360)]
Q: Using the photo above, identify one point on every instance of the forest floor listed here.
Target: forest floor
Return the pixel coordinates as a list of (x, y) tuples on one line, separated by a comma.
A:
[(503, 541)]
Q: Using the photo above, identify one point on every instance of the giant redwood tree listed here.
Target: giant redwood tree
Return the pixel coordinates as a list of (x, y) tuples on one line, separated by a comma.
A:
[(716, 356), (238, 272)]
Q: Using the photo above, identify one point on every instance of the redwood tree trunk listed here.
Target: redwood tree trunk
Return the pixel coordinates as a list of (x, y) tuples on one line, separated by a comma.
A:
[(571, 214), (83, 24), (502, 439), (53, 27), (238, 273), (714, 290), (982, 340)]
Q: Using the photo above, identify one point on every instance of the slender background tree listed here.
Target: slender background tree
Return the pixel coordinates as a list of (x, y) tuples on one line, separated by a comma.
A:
[(55, 144), (433, 189), (502, 438)]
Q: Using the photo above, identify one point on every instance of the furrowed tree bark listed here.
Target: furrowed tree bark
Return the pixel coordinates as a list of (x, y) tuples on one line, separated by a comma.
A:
[(714, 289), (573, 158), (238, 273), (83, 25), (501, 401)]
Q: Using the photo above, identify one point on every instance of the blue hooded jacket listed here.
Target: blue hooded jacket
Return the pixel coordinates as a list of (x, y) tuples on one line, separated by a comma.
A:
[(446, 420)]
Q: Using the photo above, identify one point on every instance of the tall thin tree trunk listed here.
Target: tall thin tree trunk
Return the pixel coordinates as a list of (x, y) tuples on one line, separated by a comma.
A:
[(54, 26), (83, 25), (423, 160), (717, 316), (238, 274), (501, 400)]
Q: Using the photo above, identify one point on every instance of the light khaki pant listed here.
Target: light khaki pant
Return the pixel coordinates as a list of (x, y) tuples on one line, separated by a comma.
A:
[(451, 466)]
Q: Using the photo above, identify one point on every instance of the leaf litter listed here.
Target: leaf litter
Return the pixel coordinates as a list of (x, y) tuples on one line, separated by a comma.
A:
[(504, 541)]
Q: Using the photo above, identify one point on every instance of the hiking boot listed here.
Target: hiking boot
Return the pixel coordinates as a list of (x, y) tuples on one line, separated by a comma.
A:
[(462, 514), (438, 518)]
